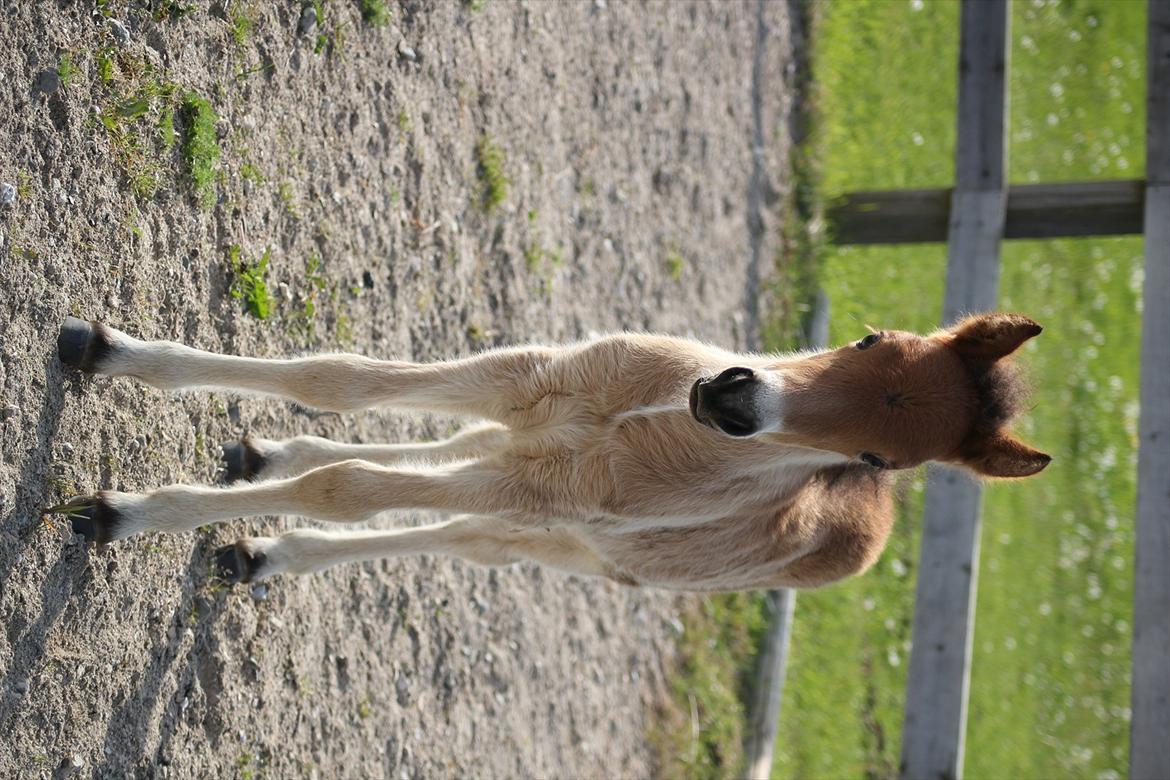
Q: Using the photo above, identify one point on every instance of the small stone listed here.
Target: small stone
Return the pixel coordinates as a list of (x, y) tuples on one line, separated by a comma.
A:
[(7, 194), (72, 765), (276, 622), (66, 449), (260, 592), (308, 20), (119, 31), (20, 686), (405, 52), (48, 82), (402, 689)]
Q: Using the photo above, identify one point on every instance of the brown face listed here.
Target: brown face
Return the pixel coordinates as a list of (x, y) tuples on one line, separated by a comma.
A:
[(891, 399)]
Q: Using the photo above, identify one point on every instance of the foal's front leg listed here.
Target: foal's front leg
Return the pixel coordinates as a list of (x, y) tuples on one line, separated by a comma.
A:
[(348, 492), (485, 541), (491, 384)]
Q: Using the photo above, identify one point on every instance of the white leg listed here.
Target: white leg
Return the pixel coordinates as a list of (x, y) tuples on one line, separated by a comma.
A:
[(348, 492), (492, 385), (279, 459), (482, 540)]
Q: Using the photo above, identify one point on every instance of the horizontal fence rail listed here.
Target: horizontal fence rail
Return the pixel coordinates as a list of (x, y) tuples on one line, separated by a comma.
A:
[(1060, 210)]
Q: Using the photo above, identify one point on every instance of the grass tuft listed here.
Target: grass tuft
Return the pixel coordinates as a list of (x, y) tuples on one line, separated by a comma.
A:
[(201, 147), (375, 12), (698, 733), (491, 174)]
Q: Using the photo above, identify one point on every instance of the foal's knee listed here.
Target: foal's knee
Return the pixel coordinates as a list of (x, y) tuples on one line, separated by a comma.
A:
[(340, 492)]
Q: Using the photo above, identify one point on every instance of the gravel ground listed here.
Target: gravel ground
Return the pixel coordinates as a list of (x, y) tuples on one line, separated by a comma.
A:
[(644, 147)]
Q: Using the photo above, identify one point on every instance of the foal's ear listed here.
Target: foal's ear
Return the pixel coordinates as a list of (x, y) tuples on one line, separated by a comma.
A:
[(1001, 455), (988, 337)]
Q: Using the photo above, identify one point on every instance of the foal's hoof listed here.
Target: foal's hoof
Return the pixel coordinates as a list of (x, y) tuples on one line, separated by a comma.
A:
[(83, 345), (241, 460), (235, 564), (90, 516)]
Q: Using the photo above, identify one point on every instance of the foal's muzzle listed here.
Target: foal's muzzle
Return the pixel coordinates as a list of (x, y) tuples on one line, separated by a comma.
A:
[(727, 402)]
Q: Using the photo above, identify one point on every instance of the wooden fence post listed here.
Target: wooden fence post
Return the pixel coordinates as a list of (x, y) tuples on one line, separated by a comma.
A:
[(1149, 754), (936, 697)]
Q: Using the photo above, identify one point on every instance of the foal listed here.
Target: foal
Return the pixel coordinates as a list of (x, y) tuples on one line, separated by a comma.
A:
[(646, 459)]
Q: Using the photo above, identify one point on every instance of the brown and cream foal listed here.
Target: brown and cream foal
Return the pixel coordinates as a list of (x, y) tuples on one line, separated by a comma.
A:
[(650, 460)]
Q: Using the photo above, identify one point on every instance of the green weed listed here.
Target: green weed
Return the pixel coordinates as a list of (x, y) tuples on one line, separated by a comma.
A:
[(166, 128), (675, 265), (251, 173), (66, 70), (284, 192), (105, 64), (170, 9), (242, 24), (249, 283)]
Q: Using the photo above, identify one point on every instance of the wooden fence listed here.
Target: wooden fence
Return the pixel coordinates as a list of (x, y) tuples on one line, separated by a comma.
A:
[(974, 217)]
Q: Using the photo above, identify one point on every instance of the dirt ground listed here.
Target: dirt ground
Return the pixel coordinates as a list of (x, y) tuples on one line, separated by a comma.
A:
[(644, 146)]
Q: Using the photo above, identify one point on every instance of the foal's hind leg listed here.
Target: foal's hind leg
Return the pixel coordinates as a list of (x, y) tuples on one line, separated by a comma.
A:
[(255, 459), (481, 540), (348, 492), (489, 385)]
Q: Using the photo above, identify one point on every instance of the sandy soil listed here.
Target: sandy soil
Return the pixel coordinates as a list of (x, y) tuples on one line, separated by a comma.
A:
[(644, 146)]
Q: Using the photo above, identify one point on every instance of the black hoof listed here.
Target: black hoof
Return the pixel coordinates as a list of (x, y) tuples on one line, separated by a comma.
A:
[(234, 564), (241, 460), (90, 516), (83, 345)]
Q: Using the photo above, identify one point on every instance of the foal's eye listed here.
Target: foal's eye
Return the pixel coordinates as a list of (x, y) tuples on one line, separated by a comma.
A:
[(869, 341), (873, 460)]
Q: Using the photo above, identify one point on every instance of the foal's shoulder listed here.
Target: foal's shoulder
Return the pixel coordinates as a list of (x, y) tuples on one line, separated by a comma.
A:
[(851, 509)]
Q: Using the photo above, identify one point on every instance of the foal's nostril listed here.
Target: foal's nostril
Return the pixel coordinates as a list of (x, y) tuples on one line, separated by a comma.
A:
[(734, 374)]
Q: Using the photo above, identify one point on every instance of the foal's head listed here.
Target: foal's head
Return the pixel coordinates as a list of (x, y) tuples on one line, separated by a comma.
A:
[(892, 399)]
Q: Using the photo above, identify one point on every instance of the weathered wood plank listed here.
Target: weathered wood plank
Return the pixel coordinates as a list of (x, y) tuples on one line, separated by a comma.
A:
[(1158, 93), (764, 713), (1058, 210), (935, 722), (983, 99), (1149, 754), (1150, 727)]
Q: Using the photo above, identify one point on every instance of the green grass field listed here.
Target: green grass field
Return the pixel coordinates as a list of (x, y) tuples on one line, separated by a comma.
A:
[(1050, 679)]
